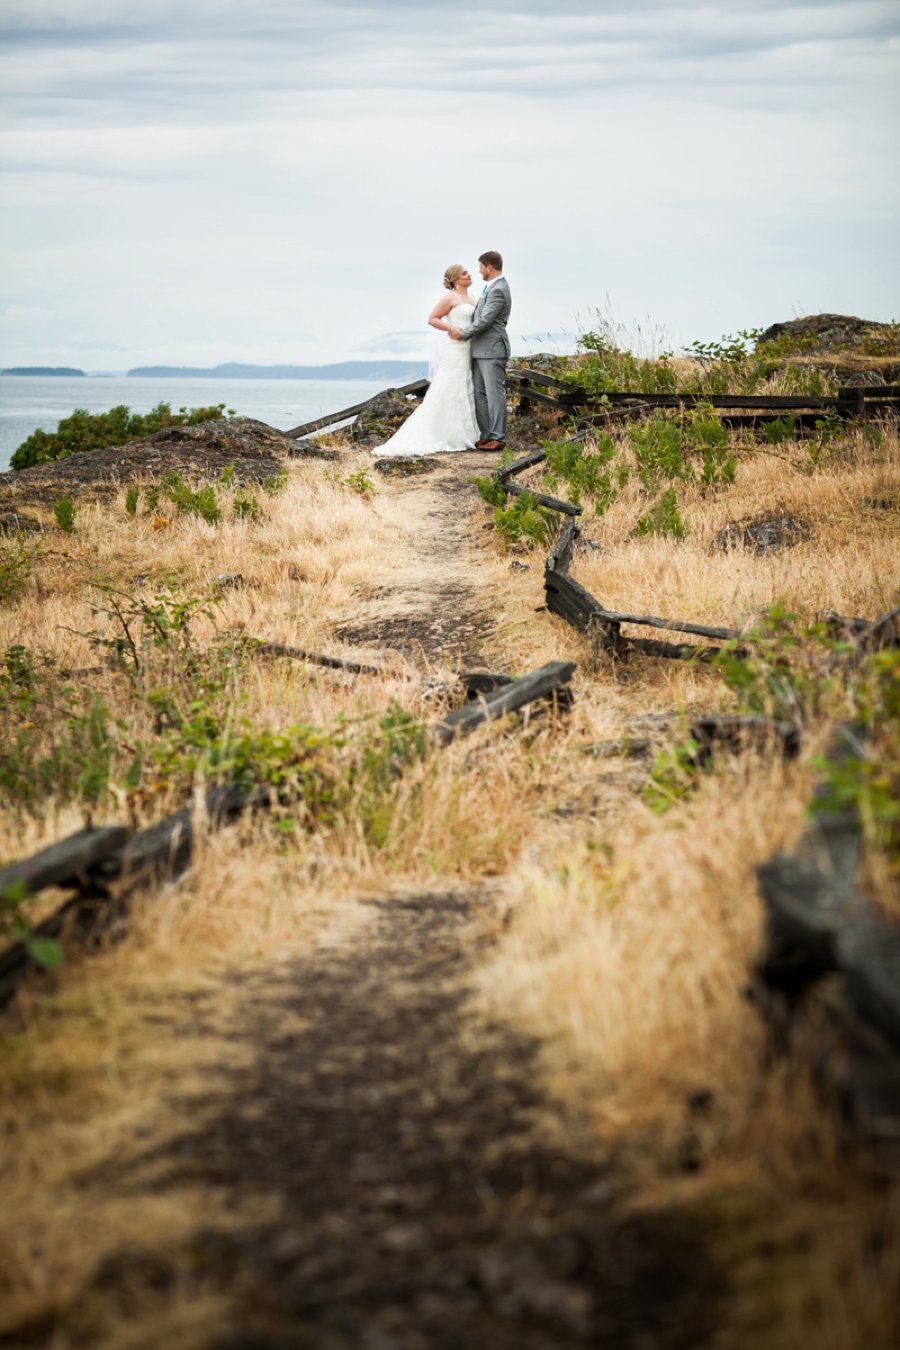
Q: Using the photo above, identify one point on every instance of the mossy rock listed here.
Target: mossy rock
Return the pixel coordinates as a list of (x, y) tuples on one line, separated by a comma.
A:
[(405, 466)]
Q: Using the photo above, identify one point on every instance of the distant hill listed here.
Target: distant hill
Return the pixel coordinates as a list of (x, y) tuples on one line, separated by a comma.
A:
[(42, 370), (341, 370)]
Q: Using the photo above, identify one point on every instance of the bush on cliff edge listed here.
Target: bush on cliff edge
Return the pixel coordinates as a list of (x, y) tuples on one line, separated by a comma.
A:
[(97, 431)]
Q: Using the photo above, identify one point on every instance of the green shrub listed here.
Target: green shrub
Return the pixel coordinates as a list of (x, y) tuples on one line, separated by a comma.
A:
[(83, 431), (524, 521), (64, 514), (586, 472), (490, 491), (659, 451), (662, 518), (18, 558), (202, 502)]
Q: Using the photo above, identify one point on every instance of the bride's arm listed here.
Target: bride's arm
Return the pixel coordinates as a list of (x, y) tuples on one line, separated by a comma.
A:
[(437, 316)]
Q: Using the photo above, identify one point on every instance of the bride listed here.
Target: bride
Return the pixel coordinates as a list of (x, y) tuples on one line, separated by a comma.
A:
[(445, 419)]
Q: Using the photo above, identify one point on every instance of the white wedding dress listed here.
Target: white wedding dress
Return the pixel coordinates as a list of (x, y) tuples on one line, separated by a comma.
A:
[(444, 421)]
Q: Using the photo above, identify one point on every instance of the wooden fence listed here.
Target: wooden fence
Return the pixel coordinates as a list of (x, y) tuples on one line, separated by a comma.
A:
[(103, 867), (736, 410), (818, 923)]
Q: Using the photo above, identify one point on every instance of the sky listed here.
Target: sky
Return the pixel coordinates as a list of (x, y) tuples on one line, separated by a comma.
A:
[(286, 181)]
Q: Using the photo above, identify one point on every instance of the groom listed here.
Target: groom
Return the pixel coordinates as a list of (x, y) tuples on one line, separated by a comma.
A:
[(490, 352)]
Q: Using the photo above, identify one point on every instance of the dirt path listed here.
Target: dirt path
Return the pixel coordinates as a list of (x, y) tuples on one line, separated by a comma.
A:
[(405, 1145), (430, 602)]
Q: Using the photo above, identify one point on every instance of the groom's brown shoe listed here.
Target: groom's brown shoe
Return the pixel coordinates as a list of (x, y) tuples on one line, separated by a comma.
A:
[(492, 445), (480, 444)]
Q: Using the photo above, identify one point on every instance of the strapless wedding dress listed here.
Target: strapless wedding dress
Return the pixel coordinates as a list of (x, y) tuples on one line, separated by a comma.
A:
[(445, 419)]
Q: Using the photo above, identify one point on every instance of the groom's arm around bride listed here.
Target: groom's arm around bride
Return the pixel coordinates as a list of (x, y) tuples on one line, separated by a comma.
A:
[(490, 350)]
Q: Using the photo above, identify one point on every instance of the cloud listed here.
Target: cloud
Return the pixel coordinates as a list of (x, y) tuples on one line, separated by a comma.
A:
[(288, 181)]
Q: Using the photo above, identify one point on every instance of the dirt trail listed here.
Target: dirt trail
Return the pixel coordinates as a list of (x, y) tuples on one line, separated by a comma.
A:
[(404, 1142), (431, 601), (423, 1199)]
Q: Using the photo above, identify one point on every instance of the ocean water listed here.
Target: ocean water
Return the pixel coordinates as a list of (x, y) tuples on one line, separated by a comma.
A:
[(31, 401)]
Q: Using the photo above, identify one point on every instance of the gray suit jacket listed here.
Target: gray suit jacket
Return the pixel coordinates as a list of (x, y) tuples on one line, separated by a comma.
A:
[(487, 331)]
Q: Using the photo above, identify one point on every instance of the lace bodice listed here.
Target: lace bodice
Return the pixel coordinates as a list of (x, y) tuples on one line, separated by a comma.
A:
[(460, 314)]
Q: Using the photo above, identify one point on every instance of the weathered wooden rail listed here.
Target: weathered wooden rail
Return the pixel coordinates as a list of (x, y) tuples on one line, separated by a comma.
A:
[(417, 387), (738, 410), (105, 866), (827, 981)]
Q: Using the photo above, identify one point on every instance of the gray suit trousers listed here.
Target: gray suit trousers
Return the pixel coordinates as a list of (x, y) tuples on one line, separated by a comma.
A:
[(489, 379)]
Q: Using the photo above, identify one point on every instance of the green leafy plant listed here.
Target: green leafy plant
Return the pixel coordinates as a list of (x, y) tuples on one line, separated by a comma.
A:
[(663, 518), (14, 926), (132, 497), (586, 470), (64, 513), (781, 429), (490, 491), (18, 559), (524, 521), (659, 451), (674, 777), (200, 502), (359, 481), (869, 783), (275, 483), (135, 624)]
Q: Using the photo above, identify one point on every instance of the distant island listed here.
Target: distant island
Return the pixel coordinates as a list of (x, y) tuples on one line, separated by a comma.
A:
[(341, 370), (42, 370)]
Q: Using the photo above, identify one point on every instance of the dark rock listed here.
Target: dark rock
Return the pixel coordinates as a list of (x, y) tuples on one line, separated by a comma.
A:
[(253, 450), (227, 581), (14, 522), (406, 466), (835, 333), (519, 567), (858, 379), (140, 580), (768, 534), (381, 417), (304, 449)]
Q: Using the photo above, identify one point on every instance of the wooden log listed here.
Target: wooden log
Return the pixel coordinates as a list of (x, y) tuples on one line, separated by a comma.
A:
[(560, 555), (672, 625), (867, 952), (560, 403), (165, 849), (735, 732), (761, 402), (66, 862), (876, 391), (577, 606), (541, 498), (548, 680), (540, 377), (670, 650), (882, 634), (317, 659), (482, 681), (329, 419), (520, 465)]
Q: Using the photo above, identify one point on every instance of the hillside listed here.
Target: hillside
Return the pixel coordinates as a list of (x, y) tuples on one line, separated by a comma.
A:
[(439, 1044)]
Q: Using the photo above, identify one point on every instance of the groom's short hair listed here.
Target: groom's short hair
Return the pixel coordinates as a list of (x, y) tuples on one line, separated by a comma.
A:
[(492, 259)]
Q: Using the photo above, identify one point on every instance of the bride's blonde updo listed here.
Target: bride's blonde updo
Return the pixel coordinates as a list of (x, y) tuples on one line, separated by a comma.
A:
[(452, 275)]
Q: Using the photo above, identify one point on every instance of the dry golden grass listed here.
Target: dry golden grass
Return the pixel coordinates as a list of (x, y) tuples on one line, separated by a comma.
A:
[(630, 934)]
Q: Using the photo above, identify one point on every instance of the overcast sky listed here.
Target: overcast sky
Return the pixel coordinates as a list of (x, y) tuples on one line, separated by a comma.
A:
[(216, 180)]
